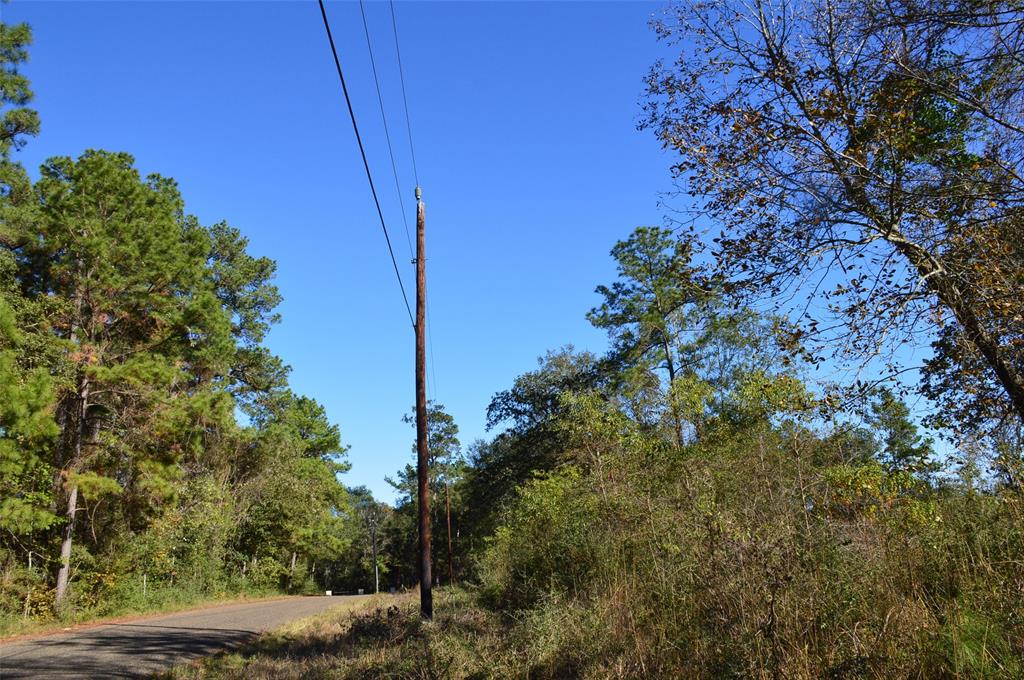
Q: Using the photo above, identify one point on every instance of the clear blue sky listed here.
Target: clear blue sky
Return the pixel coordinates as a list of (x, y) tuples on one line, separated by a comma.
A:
[(524, 117)]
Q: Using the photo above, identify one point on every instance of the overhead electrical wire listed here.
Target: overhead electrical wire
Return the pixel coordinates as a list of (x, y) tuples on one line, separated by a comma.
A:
[(366, 164), (387, 133), (430, 346), (412, 153), (405, 100)]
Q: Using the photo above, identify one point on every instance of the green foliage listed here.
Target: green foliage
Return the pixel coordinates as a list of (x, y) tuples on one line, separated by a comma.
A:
[(367, 523), (129, 336), (26, 429), (973, 645), (902, 447), (645, 311), (446, 470), (744, 557), (295, 497), (676, 508), (18, 121), (187, 544), (656, 281), (443, 446), (870, 490), (772, 544), (545, 543), (534, 399), (242, 283)]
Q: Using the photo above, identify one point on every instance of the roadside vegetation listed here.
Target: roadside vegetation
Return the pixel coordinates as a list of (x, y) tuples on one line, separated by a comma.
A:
[(152, 454), (768, 550), (756, 480)]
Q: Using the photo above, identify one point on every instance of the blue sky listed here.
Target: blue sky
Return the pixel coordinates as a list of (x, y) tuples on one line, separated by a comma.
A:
[(524, 119)]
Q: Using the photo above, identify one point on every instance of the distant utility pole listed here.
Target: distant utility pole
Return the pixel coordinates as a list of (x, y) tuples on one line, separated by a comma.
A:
[(373, 540), (422, 460), (448, 513)]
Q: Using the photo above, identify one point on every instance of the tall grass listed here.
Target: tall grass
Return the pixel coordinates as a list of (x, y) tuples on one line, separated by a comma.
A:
[(750, 558)]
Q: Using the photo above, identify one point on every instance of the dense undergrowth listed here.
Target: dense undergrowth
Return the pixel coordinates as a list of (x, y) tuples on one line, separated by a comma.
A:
[(179, 562), (756, 555)]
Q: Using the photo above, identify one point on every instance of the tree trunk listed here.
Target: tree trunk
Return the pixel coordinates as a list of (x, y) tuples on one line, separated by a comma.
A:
[(678, 421), (64, 571), (941, 283), (376, 570), (70, 453), (448, 514)]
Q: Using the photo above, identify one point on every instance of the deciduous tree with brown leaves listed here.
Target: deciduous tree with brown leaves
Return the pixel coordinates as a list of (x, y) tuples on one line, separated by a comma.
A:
[(873, 154)]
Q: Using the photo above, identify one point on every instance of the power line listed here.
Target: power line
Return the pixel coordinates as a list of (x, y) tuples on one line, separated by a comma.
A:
[(405, 100), (366, 164), (384, 120), (430, 346), (412, 152)]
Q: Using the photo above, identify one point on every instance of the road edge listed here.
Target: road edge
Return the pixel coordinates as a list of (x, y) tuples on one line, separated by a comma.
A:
[(59, 629)]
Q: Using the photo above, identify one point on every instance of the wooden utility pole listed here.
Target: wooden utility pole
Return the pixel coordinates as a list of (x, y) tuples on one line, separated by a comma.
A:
[(448, 513), (373, 539), (422, 459)]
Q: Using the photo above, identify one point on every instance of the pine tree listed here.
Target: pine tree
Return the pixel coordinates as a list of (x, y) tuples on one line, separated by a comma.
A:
[(137, 316), (26, 430), (903, 449)]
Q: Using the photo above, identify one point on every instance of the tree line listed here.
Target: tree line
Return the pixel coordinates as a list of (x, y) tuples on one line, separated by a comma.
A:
[(150, 446)]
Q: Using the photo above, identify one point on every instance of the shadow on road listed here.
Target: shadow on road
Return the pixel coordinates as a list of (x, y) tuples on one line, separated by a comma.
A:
[(120, 651)]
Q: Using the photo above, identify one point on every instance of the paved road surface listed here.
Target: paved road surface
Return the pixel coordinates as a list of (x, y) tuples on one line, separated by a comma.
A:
[(139, 648)]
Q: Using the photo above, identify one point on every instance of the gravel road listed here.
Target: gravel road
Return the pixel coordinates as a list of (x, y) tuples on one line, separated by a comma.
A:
[(143, 646)]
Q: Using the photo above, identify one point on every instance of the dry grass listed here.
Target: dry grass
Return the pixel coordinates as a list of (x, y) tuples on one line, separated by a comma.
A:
[(384, 638)]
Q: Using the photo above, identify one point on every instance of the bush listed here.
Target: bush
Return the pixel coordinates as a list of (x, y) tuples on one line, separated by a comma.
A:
[(753, 556)]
